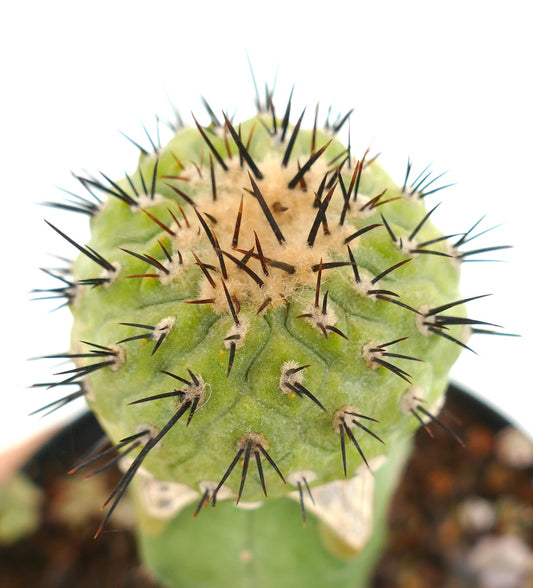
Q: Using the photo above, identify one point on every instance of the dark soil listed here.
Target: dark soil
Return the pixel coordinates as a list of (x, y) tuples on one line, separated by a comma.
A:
[(451, 502), (459, 510)]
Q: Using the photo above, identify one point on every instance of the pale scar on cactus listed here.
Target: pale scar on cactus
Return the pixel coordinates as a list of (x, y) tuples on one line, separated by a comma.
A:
[(261, 314)]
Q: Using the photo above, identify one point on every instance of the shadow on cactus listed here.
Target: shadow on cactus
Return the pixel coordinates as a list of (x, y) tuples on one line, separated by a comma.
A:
[(262, 319)]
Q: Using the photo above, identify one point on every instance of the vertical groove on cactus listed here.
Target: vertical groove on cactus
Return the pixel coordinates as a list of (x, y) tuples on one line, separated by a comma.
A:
[(298, 299)]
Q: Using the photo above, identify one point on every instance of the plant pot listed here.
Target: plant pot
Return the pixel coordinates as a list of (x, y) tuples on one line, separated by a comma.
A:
[(455, 509)]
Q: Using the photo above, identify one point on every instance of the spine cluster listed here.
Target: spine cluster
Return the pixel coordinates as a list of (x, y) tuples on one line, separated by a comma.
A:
[(254, 294)]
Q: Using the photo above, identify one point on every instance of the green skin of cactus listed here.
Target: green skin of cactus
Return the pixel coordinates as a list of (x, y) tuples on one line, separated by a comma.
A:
[(263, 546)]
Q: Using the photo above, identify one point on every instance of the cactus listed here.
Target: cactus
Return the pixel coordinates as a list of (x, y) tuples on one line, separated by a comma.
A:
[(261, 323)]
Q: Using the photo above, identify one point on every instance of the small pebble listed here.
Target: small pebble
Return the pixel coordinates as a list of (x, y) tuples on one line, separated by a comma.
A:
[(476, 515), (514, 449), (501, 562)]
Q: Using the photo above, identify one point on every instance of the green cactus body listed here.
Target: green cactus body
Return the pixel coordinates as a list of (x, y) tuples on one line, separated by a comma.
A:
[(258, 313)]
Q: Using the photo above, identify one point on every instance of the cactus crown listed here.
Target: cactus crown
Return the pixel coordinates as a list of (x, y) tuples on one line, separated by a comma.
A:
[(254, 297)]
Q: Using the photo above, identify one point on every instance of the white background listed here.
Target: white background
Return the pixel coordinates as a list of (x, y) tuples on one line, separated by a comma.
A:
[(448, 83)]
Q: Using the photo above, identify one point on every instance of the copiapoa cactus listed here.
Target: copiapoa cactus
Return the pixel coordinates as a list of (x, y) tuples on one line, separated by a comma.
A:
[(261, 322)]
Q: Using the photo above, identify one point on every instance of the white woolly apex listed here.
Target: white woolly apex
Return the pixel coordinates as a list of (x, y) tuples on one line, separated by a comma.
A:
[(237, 333), (274, 228), (163, 327), (291, 375)]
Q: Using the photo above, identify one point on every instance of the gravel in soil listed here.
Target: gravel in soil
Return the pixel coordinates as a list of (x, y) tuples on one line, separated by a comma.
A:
[(461, 518)]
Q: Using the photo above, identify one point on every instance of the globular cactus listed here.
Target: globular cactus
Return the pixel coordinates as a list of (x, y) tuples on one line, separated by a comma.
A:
[(261, 322)]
